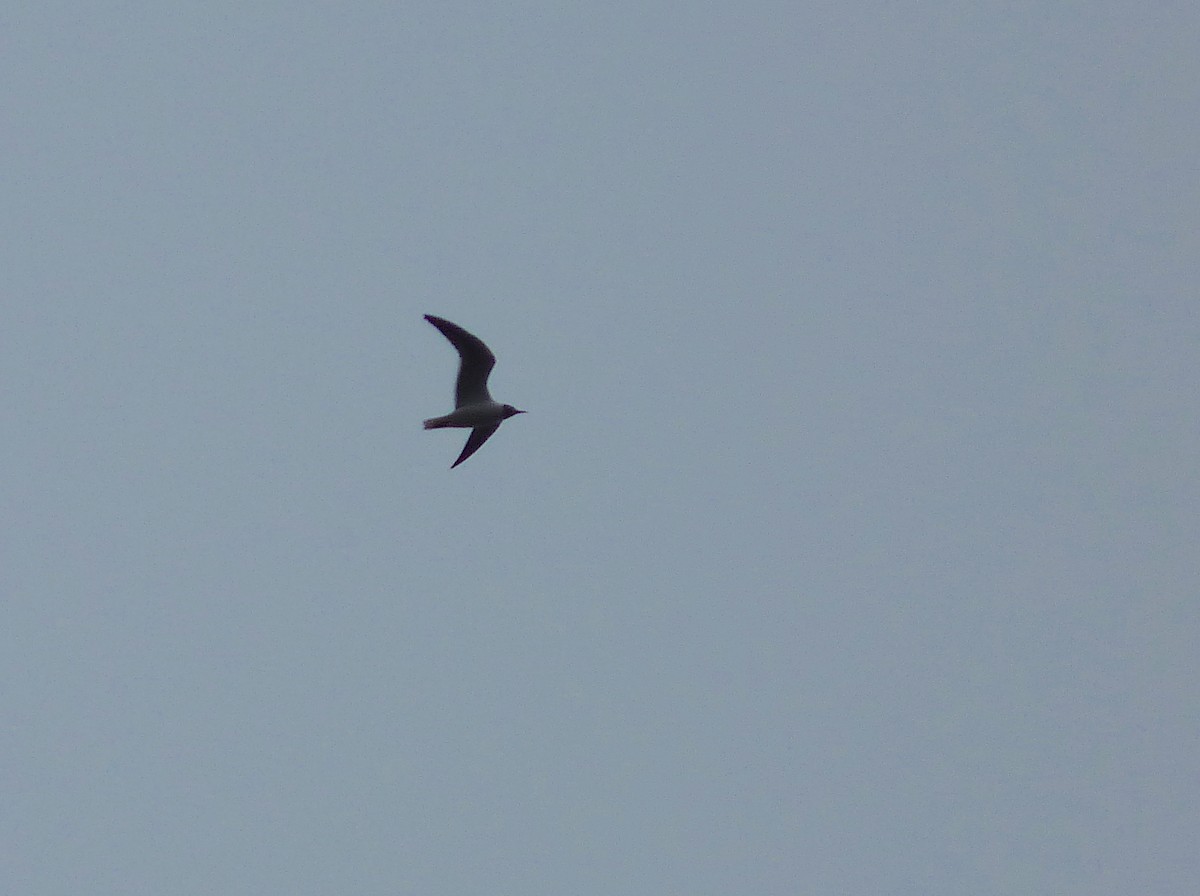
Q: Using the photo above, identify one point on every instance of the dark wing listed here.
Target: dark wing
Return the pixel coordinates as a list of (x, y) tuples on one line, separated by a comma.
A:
[(479, 435), (477, 363)]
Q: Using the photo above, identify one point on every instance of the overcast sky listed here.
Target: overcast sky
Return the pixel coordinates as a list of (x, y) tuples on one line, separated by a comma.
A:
[(849, 545)]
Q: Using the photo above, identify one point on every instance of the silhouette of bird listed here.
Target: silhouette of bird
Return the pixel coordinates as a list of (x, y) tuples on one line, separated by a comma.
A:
[(474, 407)]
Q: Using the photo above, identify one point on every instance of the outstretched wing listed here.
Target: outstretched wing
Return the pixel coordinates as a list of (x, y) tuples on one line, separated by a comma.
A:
[(479, 435), (477, 363)]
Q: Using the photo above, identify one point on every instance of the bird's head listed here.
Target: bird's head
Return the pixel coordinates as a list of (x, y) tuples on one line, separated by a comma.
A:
[(510, 411)]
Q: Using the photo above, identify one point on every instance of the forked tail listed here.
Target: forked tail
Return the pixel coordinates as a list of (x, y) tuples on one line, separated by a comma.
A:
[(436, 423)]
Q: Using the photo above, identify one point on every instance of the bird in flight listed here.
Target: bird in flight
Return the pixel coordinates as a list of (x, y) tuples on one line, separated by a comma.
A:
[(474, 408)]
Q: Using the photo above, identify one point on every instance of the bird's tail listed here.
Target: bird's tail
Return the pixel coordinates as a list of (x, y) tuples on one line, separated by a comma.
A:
[(436, 423)]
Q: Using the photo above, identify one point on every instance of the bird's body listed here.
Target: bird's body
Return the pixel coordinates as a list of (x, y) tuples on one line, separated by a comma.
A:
[(474, 407), (469, 415)]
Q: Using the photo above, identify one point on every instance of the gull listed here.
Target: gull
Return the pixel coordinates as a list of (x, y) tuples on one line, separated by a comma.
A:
[(473, 404)]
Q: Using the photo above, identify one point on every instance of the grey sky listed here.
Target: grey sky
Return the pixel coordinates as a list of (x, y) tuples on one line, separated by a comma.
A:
[(849, 544)]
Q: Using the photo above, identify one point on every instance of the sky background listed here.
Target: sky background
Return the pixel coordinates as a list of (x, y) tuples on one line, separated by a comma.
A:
[(849, 544)]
